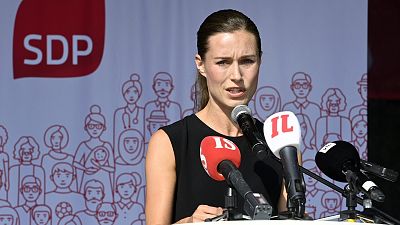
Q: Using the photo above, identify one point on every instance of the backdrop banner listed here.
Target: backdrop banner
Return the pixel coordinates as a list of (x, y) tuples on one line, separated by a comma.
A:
[(84, 84)]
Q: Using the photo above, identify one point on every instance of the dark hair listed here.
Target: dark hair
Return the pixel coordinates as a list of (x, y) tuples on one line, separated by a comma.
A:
[(223, 21)]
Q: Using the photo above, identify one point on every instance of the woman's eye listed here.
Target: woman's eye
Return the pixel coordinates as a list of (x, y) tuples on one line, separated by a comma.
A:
[(222, 62), (247, 61)]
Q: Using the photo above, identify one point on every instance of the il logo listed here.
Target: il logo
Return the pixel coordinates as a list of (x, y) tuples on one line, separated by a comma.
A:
[(283, 120), (58, 39)]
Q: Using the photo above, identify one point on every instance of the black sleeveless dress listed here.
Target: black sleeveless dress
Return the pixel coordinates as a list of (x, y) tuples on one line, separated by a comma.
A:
[(193, 185)]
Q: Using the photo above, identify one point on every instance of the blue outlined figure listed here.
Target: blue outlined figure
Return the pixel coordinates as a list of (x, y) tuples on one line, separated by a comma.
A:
[(331, 201), (359, 128), (307, 150), (332, 102), (267, 101), (363, 91), (301, 87), (56, 138), (94, 196), (4, 165), (9, 216), (25, 150), (30, 189), (63, 200), (128, 209), (313, 191), (70, 220), (87, 152), (162, 87), (131, 149), (192, 110), (131, 116), (106, 213), (41, 215)]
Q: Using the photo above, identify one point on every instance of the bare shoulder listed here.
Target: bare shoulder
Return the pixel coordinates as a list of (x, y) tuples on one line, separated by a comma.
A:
[(160, 148)]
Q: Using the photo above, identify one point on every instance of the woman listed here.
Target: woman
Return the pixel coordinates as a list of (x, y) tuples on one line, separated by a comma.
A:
[(178, 188)]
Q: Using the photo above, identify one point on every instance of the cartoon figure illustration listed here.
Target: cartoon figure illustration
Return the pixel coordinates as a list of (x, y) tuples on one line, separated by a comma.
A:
[(128, 210), (156, 120), (308, 150), (363, 91), (131, 116), (94, 195), (25, 150), (41, 215), (140, 221), (331, 201), (70, 220), (4, 165), (162, 87), (313, 192), (85, 157), (106, 213), (267, 101), (63, 200), (30, 190), (301, 87), (8, 216), (359, 127), (56, 138), (333, 102), (190, 111), (131, 151)]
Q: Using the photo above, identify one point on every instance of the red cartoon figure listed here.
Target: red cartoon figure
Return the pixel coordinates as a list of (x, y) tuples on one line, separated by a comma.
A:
[(8, 216), (131, 116), (85, 157), (30, 190), (106, 213), (94, 196), (56, 138), (363, 91), (308, 150), (128, 209), (192, 110), (333, 102), (301, 87), (267, 101), (359, 127), (4, 165), (25, 151), (41, 215), (331, 201), (162, 87)]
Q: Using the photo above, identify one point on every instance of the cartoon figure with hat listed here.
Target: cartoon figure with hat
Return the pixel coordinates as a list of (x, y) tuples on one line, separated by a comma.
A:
[(363, 91)]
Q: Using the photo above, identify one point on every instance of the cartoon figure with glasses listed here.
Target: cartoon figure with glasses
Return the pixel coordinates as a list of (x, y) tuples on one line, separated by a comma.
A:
[(30, 190), (301, 87), (106, 213), (25, 151), (94, 157)]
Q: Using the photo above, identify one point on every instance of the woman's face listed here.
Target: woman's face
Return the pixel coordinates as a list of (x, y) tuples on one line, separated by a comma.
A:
[(56, 139), (231, 68), (131, 95), (267, 102), (361, 129), (131, 144), (333, 104), (94, 129), (26, 151)]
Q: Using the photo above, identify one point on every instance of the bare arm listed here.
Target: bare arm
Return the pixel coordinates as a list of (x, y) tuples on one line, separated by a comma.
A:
[(160, 183), (160, 179)]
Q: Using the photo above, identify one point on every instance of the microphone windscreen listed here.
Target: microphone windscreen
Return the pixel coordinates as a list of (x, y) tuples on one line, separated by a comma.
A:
[(282, 129), (213, 150), (239, 109), (333, 156)]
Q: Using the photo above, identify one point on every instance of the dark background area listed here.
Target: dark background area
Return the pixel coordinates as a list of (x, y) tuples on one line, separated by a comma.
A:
[(384, 96)]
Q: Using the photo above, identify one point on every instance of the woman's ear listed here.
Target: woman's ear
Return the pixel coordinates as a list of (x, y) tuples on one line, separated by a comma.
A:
[(200, 65)]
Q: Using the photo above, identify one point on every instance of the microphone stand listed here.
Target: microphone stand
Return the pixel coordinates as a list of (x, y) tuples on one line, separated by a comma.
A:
[(378, 215)]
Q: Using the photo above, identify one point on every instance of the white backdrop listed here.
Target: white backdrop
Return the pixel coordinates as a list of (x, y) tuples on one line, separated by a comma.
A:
[(327, 40)]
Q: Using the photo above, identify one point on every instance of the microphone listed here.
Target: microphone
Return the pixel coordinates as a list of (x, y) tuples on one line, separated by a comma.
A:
[(241, 115), (220, 158), (340, 161), (282, 133)]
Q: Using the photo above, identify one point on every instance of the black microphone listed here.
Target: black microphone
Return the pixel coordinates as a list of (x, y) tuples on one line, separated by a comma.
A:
[(241, 114), (282, 133), (340, 161)]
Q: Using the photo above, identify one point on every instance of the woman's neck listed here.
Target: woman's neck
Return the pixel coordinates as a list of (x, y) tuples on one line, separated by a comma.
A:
[(219, 120)]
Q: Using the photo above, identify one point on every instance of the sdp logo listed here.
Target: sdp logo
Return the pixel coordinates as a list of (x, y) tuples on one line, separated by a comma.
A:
[(58, 39)]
